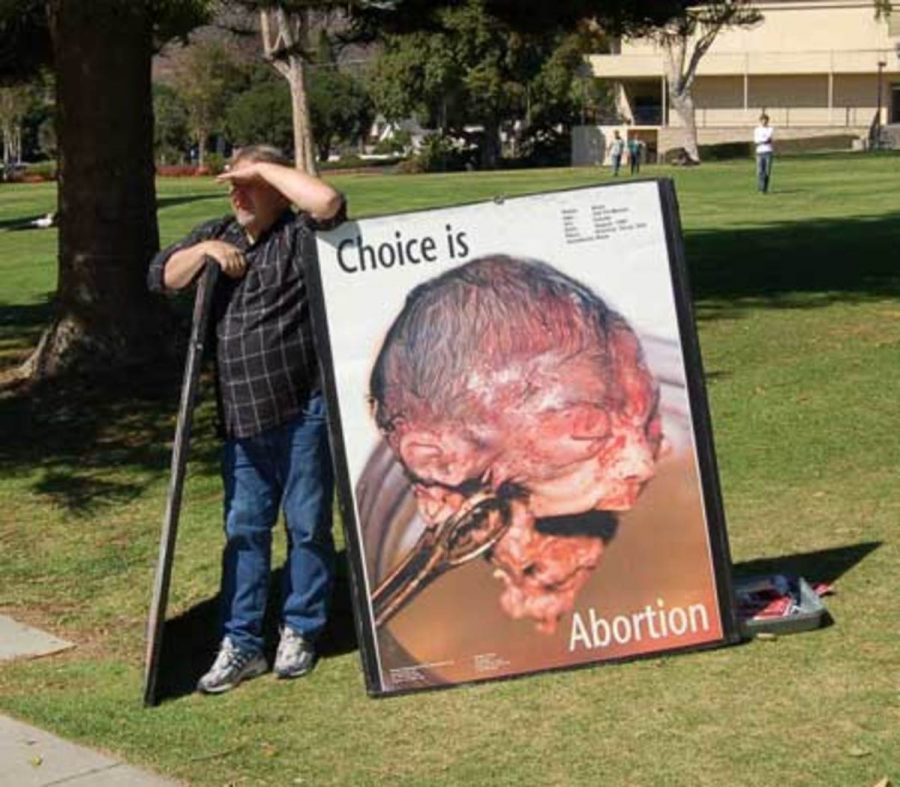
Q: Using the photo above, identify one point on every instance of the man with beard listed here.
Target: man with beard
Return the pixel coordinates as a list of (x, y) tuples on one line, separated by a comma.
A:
[(273, 412)]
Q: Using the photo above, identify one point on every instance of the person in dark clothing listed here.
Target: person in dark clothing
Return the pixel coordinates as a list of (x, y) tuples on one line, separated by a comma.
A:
[(634, 155), (276, 451)]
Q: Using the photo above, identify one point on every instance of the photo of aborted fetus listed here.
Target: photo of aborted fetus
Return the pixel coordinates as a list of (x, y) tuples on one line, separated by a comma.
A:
[(519, 418)]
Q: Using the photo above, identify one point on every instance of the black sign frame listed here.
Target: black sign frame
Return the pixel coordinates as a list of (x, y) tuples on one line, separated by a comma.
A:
[(703, 441)]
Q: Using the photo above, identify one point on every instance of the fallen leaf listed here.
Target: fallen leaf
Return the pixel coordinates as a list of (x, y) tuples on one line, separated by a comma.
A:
[(767, 636), (858, 751)]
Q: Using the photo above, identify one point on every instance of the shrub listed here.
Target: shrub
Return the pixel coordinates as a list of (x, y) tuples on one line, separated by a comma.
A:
[(355, 162), (444, 154), (816, 144), (680, 157), (399, 143), (410, 166), (214, 163), (36, 173), (724, 151), (728, 150), (544, 148), (176, 170)]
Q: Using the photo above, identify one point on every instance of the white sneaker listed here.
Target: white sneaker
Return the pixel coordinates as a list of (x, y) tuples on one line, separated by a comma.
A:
[(231, 666), (295, 655)]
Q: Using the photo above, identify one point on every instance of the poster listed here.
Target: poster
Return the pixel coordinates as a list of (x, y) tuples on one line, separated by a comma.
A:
[(520, 429)]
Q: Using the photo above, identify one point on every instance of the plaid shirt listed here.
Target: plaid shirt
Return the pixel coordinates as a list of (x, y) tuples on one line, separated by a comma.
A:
[(266, 361)]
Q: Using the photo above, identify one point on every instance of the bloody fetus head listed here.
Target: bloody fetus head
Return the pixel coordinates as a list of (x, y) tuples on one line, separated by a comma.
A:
[(505, 374)]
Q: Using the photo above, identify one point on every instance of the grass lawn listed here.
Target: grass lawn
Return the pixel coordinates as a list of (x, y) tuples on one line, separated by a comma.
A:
[(798, 303)]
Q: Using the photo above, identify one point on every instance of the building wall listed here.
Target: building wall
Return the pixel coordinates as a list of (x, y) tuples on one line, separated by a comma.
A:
[(811, 65), (798, 27), (813, 37), (790, 100)]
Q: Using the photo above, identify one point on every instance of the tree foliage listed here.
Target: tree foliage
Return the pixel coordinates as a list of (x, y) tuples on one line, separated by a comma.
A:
[(16, 101), (340, 108), (262, 112), (883, 8), (475, 69), (206, 81), (170, 124), (26, 39), (373, 19), (25, 31)]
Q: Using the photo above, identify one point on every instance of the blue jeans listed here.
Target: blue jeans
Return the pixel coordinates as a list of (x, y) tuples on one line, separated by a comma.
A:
[(763, 170), (289, 467)]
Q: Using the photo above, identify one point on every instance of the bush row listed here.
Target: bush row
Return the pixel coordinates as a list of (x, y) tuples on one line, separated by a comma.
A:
[(724, 151)]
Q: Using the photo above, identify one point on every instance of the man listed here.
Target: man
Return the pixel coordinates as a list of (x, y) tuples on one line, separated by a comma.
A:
[(617, 150), (634, 155), (762, 138), (276, 451)]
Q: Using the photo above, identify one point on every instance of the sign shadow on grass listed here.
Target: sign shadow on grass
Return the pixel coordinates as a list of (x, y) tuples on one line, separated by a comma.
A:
[(793, 264), (824, 565), (191, 639)]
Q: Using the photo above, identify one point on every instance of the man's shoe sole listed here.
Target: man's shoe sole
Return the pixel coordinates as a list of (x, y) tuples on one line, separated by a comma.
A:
[(298, 674), (254, 673)]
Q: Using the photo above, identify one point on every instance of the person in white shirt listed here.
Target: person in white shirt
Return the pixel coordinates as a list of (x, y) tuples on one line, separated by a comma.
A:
[(762, 138), (617, 150)]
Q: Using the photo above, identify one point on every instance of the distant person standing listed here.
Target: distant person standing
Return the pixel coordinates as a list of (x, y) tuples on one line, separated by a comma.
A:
[(616, 152), (762, 138), (634, 155)]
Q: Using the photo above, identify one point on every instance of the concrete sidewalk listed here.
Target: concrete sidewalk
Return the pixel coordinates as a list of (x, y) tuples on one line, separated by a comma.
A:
[(30, 757)]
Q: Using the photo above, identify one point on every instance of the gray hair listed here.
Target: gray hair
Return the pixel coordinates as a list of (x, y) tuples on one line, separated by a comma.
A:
[(267, 153)]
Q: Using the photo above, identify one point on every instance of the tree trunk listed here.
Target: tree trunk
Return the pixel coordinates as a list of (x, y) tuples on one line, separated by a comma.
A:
[(683, 104), (282, 39), (105, 319), (490, 150), (304, 151)]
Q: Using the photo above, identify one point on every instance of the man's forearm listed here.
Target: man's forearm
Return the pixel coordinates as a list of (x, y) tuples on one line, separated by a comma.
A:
[(183, 266), (308, 193)]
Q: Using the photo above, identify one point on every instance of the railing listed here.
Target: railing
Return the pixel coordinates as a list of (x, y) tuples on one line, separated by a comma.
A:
[(829, 61), (647, 116), (783, 117)]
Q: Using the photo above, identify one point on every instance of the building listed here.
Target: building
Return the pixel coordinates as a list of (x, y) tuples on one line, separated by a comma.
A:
[(816, 67)]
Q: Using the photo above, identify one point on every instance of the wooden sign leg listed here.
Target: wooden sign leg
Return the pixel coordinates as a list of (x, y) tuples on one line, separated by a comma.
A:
[(180, 448)]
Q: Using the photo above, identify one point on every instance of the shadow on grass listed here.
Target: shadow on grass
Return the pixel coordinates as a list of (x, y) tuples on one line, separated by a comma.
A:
[(794, 265), (826, 565), (23, 223), (26, 222), (88, 445), (26, 317), (190, 640)]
